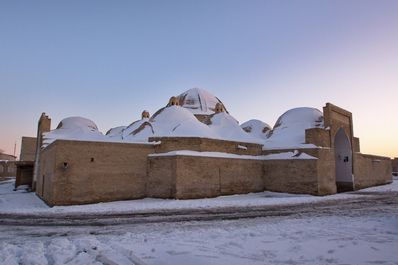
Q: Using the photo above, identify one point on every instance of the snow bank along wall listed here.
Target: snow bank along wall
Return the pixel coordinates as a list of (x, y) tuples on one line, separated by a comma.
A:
[(87, 171)]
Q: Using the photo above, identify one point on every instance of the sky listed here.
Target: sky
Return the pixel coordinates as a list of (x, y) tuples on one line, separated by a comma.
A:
[(109, 60)]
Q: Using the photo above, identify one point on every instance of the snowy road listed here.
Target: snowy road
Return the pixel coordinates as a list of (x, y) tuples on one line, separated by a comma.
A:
[(369, 202), (358, 230)]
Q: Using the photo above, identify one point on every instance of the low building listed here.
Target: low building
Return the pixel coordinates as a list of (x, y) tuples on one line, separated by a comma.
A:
[(7, 166), (25, 166), (177, 154)]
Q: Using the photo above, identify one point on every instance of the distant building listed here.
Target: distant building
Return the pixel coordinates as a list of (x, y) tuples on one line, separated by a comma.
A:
[(7, 166), (193, 148), (25, 165)]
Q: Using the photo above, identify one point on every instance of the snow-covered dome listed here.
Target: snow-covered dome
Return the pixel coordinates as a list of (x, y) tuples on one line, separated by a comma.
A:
[(171, 121), (289, 129), (74, 128), (78, 123), (227, 128), (115, 132), (256, 128), (139, 130), (198, 101)]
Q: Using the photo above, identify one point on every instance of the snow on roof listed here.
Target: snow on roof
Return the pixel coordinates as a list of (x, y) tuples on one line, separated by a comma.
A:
[(227, 127), (139, 130), (281, 156), (289, 155), (256, 128), (115, 132), (178, 121), (198, 101), (74, 128), (289, 130)]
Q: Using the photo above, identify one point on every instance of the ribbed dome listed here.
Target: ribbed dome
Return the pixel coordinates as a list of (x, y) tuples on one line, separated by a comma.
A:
[(198, 101)]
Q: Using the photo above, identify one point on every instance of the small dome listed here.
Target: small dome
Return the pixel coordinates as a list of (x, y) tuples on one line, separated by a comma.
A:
[(173, 101), (72, 123), (311, 117), (227, 128), (256, 128), (138, 130), (199, 101), (145, 114), (178, 121), (74, 128), (289, 129)]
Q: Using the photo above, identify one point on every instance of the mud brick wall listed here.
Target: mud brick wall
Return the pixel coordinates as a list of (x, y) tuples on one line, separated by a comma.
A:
[(203, 177), (88, 172), (168, 144), (370, 170)]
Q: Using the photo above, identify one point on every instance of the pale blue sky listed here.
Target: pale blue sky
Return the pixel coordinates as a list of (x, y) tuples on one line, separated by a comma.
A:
[(109, 60)]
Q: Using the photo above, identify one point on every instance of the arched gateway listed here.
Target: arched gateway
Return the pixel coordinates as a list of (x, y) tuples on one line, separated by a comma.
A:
[(343, 158)]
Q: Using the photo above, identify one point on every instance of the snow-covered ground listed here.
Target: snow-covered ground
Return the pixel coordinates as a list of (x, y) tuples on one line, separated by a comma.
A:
[(21, 201), (359, 234)]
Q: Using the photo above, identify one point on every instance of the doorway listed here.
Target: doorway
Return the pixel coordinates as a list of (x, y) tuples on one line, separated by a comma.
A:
[(343, 158)]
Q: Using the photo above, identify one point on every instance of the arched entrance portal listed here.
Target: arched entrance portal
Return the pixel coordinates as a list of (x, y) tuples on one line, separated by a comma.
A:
[(343, 157)]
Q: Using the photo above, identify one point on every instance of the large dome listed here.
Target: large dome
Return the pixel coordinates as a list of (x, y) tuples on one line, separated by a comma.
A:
[(289, 129), (198, 101)]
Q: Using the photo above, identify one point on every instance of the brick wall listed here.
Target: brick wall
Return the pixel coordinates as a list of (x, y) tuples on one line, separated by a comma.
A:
[(370, 170), (205, 144), (76, 172), (28, 149)]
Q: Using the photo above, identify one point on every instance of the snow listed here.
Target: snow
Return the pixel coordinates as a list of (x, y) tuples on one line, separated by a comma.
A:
[(142, 126), (198, 101), (227, 128), (280, 156), (256, 128), (115, 132), (351, 236), (242, 147), (317, 240), (288, 155), (289, 130), (23, 202), (74, 128), (176, 121)]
